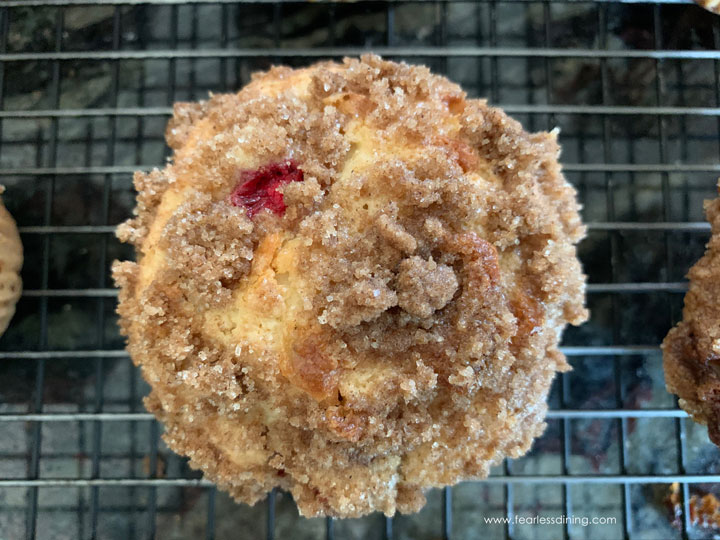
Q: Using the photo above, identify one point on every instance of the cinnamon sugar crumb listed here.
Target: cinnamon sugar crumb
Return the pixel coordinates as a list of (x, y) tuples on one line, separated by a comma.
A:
[(424, 286), (393, 232)]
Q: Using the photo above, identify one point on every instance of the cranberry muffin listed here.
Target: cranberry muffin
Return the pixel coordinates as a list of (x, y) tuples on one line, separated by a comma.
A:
[(351, 281)]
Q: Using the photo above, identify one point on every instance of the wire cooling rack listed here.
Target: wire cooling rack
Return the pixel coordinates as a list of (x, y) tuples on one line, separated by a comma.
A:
[(85, 91)]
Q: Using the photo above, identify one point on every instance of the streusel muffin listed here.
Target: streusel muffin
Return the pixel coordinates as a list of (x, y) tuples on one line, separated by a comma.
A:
[(351, 284), (691, 350), (11, 259)]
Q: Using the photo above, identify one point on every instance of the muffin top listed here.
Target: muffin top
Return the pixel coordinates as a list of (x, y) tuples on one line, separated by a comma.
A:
[(351, 284)]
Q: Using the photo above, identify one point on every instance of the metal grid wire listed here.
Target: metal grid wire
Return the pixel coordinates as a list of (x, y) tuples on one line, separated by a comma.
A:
[(85, 91)]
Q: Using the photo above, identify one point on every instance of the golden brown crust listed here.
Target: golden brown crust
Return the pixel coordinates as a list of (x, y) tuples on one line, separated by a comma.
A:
[(11, 259), (691, 350), (394, 330)]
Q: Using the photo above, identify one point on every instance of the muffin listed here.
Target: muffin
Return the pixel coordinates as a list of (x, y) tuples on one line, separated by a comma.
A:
[(11, 259), (691, 350), (351, 281)]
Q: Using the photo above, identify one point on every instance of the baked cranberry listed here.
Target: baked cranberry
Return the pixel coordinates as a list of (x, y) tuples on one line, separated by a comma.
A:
[(257, 189)]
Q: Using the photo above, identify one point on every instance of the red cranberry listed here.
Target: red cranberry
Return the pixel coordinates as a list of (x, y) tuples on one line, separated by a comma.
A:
[(257, 189)]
